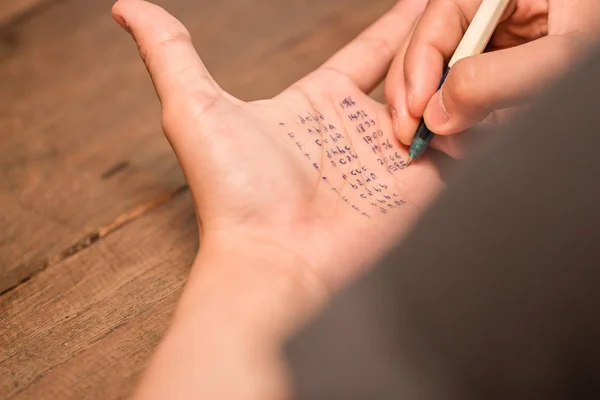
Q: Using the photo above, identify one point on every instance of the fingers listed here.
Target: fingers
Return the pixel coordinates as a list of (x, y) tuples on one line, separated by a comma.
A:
[(477, 85), (415, 74), (166, 48), (435, 39), (403, 122), (366, 59)]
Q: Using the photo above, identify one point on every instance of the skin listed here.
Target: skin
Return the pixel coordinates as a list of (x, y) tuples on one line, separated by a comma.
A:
[(535, 42), (276, 241)]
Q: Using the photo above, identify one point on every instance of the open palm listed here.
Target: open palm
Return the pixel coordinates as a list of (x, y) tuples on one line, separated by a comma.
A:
[(315, 172)]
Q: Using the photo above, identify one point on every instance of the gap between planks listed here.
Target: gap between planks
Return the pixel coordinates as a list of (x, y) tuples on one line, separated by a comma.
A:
[(8, 22), (92, 237)]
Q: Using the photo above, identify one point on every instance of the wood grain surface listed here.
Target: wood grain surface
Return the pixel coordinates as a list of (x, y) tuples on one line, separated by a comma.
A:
[(97, 231), (11, 10)]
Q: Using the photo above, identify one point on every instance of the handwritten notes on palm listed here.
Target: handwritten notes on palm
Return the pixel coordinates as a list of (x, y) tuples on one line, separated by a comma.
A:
[(351, 154)]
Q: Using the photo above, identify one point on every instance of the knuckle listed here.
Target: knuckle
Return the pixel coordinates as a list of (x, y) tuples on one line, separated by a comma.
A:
[(201, 105), (463, 80), (379, 45), (194, 107), (444, 8), (170, 119), (164, 39)]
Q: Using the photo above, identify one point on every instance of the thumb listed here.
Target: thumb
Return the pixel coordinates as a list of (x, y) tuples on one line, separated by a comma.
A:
[(179, 76), (478, 85), (186, 90)]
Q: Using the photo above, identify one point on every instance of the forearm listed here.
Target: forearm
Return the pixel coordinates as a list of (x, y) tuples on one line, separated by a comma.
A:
[(240, 303)]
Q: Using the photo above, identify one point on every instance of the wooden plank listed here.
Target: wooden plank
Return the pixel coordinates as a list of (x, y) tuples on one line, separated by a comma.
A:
[(69, 118), (11, 9), (85, 155), (82, 147), (98, 314), (110, 368)]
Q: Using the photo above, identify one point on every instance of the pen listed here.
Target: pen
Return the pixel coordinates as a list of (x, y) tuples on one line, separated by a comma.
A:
[(473, 42)]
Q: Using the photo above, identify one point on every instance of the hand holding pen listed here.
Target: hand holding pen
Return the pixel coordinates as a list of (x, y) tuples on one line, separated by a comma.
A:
[(533, 41)]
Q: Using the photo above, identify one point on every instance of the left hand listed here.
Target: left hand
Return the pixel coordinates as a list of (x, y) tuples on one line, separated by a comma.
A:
[(294, 195), (315, 172)]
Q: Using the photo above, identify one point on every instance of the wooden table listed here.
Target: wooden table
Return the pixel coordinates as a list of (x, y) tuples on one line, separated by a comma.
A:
[(97, 230)]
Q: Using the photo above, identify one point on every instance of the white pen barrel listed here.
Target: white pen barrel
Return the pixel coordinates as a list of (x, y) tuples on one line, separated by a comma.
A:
[(480, 30)]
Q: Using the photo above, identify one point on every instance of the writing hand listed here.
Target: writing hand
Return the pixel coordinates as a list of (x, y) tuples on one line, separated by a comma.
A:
[(535, 41)]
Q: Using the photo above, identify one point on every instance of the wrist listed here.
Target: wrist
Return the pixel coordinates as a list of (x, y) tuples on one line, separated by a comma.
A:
[(241, 300), (251, 287)]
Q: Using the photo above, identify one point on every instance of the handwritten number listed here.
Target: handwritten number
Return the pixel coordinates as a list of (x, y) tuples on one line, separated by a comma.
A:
[(340, 153)]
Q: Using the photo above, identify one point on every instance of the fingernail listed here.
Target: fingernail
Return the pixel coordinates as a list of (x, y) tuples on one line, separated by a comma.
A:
[(121, 21), (437, 115), (395, 120)]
